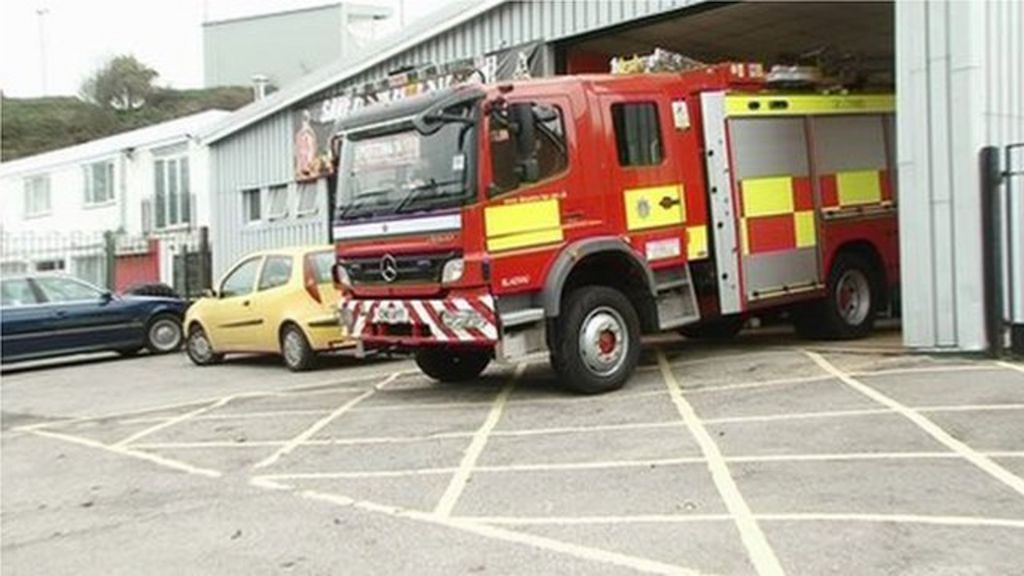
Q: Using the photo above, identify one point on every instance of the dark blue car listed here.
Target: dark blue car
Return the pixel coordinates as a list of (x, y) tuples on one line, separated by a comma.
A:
[(52, 315)]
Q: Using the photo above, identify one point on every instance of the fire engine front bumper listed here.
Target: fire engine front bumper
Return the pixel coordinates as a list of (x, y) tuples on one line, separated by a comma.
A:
[(457, 320)]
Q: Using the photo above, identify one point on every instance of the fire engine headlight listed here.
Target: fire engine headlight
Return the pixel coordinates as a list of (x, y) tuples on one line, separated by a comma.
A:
[(345, 317), (462, 319), (452, 271)]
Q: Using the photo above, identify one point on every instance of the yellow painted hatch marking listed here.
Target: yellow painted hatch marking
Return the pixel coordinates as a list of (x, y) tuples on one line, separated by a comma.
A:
[(511, 226), (644, 207)]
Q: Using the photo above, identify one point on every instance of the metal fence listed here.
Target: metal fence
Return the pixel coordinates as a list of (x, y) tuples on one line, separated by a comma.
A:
[(86, 255), (113, 260)]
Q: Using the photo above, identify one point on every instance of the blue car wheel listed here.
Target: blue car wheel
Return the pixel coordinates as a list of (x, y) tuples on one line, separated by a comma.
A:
[(163, 334)]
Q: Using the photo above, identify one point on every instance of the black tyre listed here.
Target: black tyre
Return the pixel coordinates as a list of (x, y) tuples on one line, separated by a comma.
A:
[(200, 349), (447, 365), (597, 346), (128, 352), (718, 329), (153, 289), (164, 334), (850, 306), (298, 355)]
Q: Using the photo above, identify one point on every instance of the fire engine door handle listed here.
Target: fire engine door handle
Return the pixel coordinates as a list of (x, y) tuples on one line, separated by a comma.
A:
[(668, 202)]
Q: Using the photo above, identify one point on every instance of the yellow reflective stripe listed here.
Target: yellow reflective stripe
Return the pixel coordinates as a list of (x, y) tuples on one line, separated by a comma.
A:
[(519, 225), (767, 196), (858, 187), (806, 233), (696, 242), (644, 209), (524, 240), (789, 105)]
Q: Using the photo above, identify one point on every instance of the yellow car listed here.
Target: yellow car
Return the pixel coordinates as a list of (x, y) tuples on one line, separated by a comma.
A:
[(275, 301)]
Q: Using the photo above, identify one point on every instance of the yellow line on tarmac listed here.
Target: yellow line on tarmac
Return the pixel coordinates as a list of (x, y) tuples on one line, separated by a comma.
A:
[(321, 423), (122, 451), (761, 554), (476, 447), (934, 430)]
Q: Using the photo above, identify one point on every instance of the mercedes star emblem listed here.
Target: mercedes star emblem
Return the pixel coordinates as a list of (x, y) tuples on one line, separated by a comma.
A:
[(388, 268)]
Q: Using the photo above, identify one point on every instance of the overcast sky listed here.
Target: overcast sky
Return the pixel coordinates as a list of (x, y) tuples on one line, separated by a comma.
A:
[(80, 35)]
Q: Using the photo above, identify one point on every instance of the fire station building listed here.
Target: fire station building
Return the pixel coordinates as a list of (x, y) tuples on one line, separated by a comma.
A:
[(956, 68)]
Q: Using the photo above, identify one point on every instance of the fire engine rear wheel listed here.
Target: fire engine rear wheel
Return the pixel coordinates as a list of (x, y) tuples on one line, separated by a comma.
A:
[(452, 365), (598, 344), (850, 305)]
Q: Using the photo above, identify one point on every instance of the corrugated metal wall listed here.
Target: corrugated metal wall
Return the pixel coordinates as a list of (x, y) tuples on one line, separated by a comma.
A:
[(960, 86), (517, 22), (257, 157), (261, 155)]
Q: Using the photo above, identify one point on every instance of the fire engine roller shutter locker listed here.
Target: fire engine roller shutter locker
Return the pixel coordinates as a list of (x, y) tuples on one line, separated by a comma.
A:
[(778, 227), (850, 158)]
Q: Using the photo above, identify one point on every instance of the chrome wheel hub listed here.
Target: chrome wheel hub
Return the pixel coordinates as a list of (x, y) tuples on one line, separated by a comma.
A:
[(200, 346), (165, 335), (603, 341), (853, 297), (293, 348)]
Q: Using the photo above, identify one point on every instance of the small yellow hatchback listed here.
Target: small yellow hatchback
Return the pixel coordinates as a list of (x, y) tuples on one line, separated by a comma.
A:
[(276, 301)]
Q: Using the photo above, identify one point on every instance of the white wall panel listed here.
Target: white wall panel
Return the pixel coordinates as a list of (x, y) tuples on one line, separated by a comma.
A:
[(959, 87)]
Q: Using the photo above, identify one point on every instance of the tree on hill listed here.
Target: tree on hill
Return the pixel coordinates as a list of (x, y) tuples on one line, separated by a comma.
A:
[(120, 96), (123, 84)]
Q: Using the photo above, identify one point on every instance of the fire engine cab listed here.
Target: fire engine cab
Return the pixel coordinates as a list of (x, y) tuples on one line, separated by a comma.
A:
[(568, 216)]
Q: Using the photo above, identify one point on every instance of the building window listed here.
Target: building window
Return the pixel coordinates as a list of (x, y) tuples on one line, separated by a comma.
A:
[(173, 199), (277, 202), (54, 265), (307, 199), (37, 196), (637, 134), (98, 183), (251, 208), (92, 269)]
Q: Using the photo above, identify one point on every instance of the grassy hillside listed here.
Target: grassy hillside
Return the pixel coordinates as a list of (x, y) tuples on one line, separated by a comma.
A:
[(33, 125)]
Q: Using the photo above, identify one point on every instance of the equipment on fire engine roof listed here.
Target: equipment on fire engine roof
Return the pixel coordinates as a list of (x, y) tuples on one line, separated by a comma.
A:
[(411, 79), (791, 77), (657, 61)]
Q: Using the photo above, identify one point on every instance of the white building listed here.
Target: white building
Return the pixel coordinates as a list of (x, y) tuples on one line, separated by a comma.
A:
[(150, 182)]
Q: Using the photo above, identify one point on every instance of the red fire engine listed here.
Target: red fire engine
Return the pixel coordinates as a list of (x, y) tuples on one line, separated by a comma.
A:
[(568, 216)]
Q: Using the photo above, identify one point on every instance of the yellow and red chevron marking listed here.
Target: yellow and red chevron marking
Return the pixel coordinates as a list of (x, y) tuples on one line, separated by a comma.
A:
[(424, 320), (856, 188), (777, 214)]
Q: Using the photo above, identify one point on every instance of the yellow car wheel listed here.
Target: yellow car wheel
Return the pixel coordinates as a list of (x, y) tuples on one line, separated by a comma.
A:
[(200, 349), (295, 349)]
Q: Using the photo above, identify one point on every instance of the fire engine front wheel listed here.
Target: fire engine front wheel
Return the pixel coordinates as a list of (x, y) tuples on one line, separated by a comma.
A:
[(850, 305), (452, 365), (598, 344)]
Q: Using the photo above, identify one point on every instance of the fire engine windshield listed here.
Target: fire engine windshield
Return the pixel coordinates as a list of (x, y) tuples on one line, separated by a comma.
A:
[(403, 170)]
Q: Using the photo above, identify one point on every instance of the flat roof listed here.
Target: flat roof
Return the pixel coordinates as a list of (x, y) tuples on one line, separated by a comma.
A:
[(161, 134)]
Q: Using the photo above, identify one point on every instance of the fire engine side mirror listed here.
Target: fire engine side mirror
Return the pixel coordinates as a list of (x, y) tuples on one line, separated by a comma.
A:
[(525, 128)]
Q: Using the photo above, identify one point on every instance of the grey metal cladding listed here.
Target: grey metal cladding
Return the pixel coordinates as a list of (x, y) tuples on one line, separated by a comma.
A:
[(768, 147), (723, 213), (773, 270), (848, 143)]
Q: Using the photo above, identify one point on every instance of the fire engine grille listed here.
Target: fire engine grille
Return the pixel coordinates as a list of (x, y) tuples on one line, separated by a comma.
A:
[(400, 269)]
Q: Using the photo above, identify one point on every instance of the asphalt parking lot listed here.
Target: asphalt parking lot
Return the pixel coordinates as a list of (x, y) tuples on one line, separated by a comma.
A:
[(763, 456)]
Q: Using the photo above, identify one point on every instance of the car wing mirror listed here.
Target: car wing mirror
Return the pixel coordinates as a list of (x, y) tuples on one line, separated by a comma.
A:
[(106, 296), (210, 293)]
